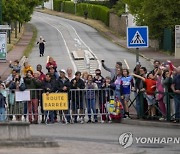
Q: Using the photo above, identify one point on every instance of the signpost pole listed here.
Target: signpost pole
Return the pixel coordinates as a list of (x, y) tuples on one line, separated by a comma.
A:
[(137, 54), (0, 12)]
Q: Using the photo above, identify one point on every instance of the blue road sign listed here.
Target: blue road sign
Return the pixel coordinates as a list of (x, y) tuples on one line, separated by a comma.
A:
[(137, 37)]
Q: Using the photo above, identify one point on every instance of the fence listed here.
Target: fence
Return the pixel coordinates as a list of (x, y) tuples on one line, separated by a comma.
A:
[(86, 105)]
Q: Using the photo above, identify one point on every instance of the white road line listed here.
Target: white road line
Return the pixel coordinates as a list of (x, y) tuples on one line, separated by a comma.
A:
[(126, 64), (99, 63), (72, 61)]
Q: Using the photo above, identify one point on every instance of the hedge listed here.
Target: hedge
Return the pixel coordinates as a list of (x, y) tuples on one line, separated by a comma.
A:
[(57, 5), (96, 12)]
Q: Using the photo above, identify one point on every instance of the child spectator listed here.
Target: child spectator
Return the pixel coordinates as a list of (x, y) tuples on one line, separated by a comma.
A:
[(15, 66), (90, 97), (150, 90), (126, 85)]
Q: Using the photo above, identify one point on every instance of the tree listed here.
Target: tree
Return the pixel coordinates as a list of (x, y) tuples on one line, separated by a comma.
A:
[(157, 14)]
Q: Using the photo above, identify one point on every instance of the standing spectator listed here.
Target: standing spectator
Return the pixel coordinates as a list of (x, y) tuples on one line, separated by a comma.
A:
[(156, 66), (140, 87), (112, 70), (49, 86), (117, 83), (41, 43), (127, 85), (51, 64), (10, 78), (39, 69), (54, 75), (63, 85), (27, 68), (77, 94), (150, 92), (41, 78), (2, 102), (108, 89), (98, 79), (90, 97), (84, 76), (167, 82), (17, 84), (15, 66), (176, 89), (32, 82), (160, 94), (70, 75)]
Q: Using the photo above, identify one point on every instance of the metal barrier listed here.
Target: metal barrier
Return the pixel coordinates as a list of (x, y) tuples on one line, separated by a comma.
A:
[(85, 105)]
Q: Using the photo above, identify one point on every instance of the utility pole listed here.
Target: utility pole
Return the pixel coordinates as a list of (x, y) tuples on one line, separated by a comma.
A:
[(0, 12)]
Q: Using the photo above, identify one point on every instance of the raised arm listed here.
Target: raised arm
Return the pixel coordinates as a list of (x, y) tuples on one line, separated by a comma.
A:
[(138, 76)]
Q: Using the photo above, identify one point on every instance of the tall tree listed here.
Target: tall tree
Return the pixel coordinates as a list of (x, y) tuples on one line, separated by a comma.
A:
[(157, 14)]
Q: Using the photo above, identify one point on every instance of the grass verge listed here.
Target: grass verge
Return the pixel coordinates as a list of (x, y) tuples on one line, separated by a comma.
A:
[(28, 49)]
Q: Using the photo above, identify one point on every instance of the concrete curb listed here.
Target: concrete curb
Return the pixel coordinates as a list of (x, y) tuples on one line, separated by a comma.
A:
[(30, 143), (151, 123)]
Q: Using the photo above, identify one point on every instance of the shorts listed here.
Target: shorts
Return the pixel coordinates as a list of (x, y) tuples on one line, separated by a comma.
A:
[(151, 100), (127, 97)]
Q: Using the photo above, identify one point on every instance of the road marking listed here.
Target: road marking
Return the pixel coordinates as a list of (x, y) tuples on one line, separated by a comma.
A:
[(99, 63), (126, 64), (72, 61), (78, 40)]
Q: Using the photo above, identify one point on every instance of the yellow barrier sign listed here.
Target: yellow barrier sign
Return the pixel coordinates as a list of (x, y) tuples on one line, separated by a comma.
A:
[(55, 101)]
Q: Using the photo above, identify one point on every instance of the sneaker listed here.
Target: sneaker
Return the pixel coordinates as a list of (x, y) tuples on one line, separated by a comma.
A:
[(89, 121), (82, 121), (96, 121)]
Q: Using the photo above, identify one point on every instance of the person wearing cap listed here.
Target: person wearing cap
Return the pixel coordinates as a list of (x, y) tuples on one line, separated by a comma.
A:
[(112, 70), (63, 85)]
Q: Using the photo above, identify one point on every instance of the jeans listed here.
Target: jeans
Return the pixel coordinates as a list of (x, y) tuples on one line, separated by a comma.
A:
[(177, 106), (33, 108), (91, 104), (2, 114), (51, 116)]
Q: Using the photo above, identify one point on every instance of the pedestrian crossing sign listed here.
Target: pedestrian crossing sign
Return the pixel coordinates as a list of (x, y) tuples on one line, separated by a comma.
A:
[(137, 37)]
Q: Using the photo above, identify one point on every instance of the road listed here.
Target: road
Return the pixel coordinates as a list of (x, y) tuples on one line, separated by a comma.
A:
[(98, 138), (64, 36)]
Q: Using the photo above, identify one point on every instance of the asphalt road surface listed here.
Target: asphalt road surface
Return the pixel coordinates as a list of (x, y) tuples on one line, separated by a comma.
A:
[(64, 36), (98, 138)]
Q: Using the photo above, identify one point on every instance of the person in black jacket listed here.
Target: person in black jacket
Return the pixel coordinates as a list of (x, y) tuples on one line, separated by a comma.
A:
[(49, 86), (76, 94), (32, 82), (63, 84)]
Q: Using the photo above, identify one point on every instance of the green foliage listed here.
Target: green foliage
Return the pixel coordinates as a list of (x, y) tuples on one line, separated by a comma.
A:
[(119, 8), (157, 14), (57, 5), (102, 3), (97, 12), (69, 7), (18, 10)]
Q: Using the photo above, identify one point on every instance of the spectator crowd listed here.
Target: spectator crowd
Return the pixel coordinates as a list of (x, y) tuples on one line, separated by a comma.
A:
[(156, 90)]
